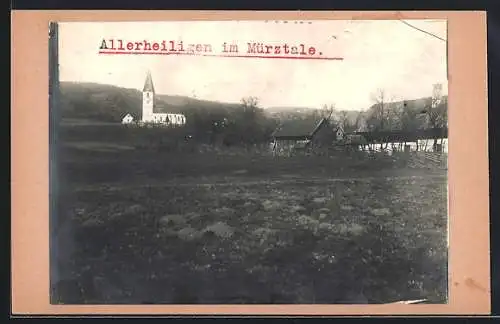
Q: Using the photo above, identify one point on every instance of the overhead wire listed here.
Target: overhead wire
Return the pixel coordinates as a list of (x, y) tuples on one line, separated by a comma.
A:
[(433, 35), (423, 31)]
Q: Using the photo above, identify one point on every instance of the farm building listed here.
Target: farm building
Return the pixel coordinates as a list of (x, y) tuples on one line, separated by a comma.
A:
[(363, 139), (305, 134), (355, 140)]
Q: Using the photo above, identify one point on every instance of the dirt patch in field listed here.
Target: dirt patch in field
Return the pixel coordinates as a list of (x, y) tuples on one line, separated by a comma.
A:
[(371, 240), (98, 146)]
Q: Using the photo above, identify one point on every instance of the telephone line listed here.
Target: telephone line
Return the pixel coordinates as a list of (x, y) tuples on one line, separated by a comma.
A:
[(423, 31)]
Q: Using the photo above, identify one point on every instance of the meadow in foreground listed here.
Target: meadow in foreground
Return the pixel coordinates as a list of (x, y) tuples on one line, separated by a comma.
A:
[(251, 240)]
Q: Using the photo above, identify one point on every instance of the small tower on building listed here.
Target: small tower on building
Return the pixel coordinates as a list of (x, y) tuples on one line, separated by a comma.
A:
[(148, 99)]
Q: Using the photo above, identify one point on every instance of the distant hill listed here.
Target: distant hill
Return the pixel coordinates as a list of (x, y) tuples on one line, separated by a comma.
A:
[(417, 104), (281, 110), (107, 103), (300, 113)]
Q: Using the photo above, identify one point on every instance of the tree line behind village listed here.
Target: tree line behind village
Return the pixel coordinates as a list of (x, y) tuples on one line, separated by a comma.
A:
[(247, 123)]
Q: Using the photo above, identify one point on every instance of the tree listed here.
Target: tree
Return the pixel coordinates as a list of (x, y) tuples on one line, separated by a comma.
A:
[(327, 111), (248, 124), (250, 102), (379, 109), (393, 116), (343, 120), (250, 110), (409, 120), (347, 125), (383, 115), (359, 123)]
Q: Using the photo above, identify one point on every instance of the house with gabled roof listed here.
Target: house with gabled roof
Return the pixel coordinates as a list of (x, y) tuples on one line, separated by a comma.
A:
[(128, 119), (306, 133)]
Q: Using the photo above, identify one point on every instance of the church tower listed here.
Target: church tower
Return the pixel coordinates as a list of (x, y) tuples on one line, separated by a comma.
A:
[(148, 99)]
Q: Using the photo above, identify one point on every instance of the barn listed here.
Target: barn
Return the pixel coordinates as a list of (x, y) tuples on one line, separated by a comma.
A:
[(305, 134)]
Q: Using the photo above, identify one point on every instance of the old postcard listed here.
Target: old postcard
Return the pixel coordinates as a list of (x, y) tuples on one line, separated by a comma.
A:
[(291, 163), (250, 162)]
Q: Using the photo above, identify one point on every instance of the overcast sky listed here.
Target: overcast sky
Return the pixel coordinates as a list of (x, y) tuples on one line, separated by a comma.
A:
[(377, 54)]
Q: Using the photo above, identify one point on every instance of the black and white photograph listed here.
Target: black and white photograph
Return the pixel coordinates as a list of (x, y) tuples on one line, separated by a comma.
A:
[(249, 162)]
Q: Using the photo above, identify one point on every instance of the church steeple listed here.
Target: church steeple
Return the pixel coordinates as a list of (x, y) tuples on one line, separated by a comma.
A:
[(148, 100), (148, 85)]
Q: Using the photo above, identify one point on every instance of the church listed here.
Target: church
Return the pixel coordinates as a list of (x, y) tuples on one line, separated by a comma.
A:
[(148, 107)]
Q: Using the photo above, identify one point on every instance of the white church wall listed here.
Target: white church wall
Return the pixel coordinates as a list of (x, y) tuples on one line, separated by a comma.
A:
[(165, 118), (177, 119)]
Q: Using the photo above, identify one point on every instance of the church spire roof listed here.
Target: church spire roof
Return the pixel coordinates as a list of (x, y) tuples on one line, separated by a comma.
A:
[(148, 85)]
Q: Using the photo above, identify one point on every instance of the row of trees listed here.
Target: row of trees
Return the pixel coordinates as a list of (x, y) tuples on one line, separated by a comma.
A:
[(245, 124), (249, 124), (388, 114)]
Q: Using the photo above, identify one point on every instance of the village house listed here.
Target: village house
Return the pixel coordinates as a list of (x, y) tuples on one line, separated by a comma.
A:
[(305, 134), (128, 119)]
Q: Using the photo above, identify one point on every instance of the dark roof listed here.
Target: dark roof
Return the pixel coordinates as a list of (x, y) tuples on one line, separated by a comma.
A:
[(300, 128), (355, 139), (148, 85)]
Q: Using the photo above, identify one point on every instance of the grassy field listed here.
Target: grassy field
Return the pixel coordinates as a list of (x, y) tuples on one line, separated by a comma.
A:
[(164, 227)]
